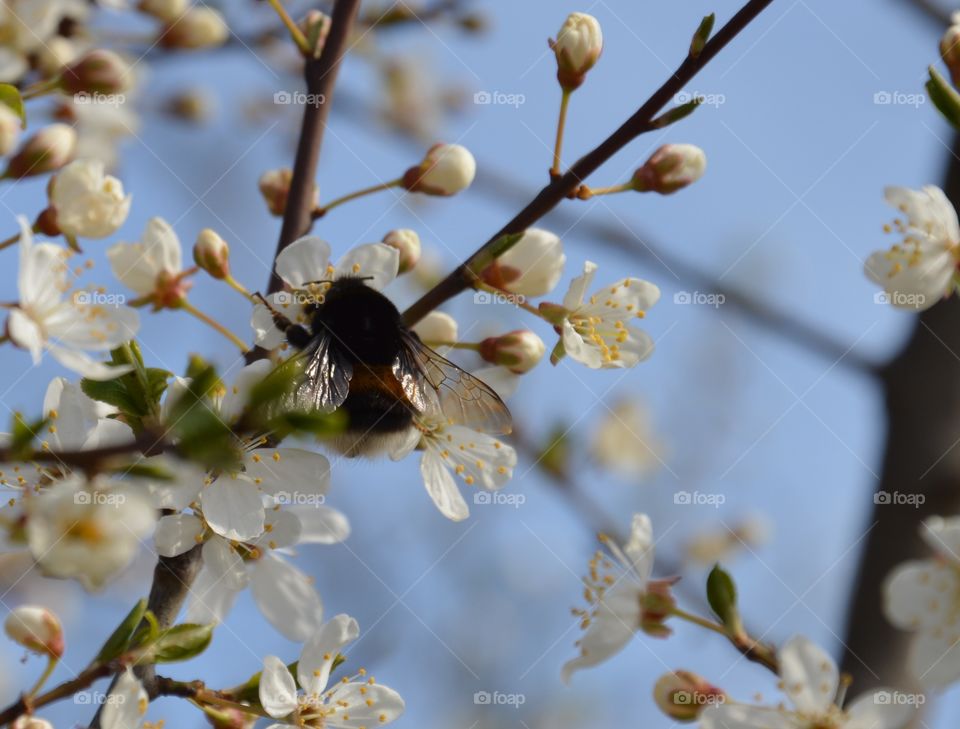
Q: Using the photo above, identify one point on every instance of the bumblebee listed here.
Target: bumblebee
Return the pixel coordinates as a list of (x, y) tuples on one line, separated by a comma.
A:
[(358, 357)]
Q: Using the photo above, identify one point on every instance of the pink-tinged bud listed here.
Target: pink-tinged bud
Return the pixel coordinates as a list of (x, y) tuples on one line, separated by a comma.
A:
[(229, 718), (577, 47), (315, 26), (36, 629), (170, 290), (212, 254), (31, 722), (657, 604), (275, 188), (10, 128), (96, 72), (950, 51), (165, 10), (199, 27), (46, 151), (670, 168), (519, 351), (408, 243), (683, 695), (446, 170), (532, 267)]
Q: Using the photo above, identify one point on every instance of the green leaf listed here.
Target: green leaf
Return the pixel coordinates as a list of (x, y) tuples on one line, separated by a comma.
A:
[(23, 434), (944, 97), (702, 35), (112, 392), (136, 394), (722, 596), (145, 470), (309, 423), (672, 116), (119, 640), (10, 96), (181, 642)]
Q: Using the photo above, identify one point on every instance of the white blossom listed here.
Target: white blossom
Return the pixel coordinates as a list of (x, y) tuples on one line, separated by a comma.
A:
[(920, 596), (44, 320), (152, 267), (620, 602), (577, 47), (35, 628), (625, 441), (126, 705), (445, 170), (88, 531), (452, 450), (919, 271), (595, 329), (87, 202), (349, 704), (810, 679)]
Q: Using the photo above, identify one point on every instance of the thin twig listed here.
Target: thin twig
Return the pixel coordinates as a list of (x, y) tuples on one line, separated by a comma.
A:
[(551, 195), (320, 75)]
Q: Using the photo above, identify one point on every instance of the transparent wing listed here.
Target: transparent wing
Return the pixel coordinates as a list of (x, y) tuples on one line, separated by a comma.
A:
[(435, 385), (326, 377)]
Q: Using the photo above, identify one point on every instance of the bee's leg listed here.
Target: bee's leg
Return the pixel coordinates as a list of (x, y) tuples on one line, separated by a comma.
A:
[(296, 334)]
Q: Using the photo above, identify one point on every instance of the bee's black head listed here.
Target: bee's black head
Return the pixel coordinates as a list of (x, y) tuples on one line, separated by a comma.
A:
[(361, 320)]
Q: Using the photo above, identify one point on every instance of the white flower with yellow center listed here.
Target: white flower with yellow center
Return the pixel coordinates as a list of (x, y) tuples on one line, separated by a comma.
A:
[(88, 203), (620, 602), (153, 266), (810, 679), (919, 271), (449, 450), (305, 263), (88, 531), (349, 704), (246, 521), (626, 442), (924, 596), (595, 330), (44, 320)]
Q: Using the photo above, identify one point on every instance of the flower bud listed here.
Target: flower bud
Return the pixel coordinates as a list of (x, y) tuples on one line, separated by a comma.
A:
[(683, 695), (229, 718), (577, 47), (189, 105), (532, 267), (165, 10), (519, 351), (212, 253), (656, 606), (408, 243), (437, 327), (275, 188), (10, 127), (446, 170), (315, 26), (199, 27), (35, 628), (670, 168), (96, 72), (31, 722), (47, 150), (54, 54)]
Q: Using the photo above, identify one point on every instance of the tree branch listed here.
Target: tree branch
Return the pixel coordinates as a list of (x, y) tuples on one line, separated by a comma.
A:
[(321, 75), (551, 195)]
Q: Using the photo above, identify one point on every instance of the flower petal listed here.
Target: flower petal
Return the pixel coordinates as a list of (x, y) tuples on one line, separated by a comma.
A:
[(286, 597), (810, 677), (304, 261), (319, 653), (377, 260), (278, 690), (176, 533)]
